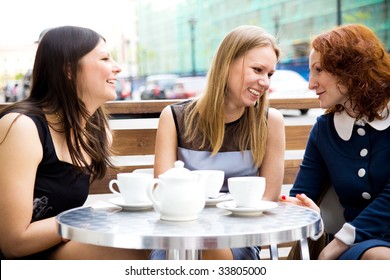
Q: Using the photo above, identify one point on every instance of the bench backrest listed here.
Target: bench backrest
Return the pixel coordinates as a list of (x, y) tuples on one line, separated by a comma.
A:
[(135, 143), (134, 125)]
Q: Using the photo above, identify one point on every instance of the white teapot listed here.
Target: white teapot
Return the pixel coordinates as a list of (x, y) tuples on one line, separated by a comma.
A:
[(179, 195)]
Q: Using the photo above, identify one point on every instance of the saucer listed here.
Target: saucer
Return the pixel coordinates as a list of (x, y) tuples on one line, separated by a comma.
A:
[(247, 211), (220, 198), (130, 207)]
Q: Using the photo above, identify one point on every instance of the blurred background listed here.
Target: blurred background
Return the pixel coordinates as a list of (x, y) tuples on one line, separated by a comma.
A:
[(165, 47)]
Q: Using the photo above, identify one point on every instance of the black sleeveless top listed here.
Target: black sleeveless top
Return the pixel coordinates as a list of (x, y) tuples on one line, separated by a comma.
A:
[(59, 185)]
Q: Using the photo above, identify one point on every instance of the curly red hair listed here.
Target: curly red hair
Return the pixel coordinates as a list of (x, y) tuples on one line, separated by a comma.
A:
[(359, 61)]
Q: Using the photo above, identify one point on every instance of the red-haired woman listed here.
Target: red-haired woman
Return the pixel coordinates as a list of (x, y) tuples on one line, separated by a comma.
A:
[(349, 145)]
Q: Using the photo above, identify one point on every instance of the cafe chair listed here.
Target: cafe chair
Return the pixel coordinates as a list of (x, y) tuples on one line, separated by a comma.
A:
[(332, 212), (332, 218)]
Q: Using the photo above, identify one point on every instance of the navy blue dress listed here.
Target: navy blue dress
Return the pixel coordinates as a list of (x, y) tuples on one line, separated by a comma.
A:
[(354, 158)]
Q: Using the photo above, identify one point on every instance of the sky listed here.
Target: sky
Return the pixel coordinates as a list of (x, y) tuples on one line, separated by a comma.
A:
[(22, 21)]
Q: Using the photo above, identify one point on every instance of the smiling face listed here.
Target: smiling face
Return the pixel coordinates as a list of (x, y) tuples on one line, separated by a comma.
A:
[(249, 77), (329, 92), (97, 77)]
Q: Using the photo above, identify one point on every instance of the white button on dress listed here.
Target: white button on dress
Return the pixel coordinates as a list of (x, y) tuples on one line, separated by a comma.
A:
[(363, 152), (360, 122), (366, 195), (361, 172), (361, 131)]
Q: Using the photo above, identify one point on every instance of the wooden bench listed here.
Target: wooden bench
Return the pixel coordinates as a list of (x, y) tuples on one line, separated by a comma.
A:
[(134, 125)]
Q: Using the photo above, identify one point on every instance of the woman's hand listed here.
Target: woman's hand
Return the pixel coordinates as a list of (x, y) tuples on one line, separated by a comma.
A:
[(333, 250), (300, 200)]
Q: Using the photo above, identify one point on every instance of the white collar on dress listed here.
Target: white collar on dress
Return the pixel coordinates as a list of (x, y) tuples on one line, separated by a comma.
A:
[(344, 123)]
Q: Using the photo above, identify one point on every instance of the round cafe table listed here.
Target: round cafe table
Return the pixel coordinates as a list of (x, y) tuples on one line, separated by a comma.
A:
[(214, 229)]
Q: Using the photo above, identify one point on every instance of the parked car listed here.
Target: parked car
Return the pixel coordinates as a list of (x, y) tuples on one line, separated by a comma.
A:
[(188, 87), (123, 88), (289, 84), (158, 86)]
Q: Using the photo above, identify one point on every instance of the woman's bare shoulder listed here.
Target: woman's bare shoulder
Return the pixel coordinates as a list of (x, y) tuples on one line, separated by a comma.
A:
[(16, 123), (166, 114), (274, 115), (17, 118)]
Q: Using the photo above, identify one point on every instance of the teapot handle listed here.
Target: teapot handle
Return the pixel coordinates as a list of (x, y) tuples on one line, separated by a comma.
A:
[(150, 193)]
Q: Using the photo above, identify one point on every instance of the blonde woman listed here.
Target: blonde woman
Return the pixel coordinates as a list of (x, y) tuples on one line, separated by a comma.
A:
[(230, 127)]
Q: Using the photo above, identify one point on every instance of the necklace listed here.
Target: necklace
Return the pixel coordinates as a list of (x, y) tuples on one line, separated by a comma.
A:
[(58, 117)]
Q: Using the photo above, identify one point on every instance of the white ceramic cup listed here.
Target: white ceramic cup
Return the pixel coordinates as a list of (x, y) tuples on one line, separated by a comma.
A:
[(247, 191), (132, 187), (212, 180)]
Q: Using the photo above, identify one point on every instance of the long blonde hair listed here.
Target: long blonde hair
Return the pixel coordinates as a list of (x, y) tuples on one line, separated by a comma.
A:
[(205, 117)]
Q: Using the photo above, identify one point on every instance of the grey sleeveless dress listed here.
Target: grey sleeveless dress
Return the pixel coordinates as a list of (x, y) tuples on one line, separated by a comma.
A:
[(229, 159)]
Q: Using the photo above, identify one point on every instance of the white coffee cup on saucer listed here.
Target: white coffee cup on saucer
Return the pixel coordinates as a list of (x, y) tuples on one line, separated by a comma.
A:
[(132, 187), (247, 191), (212, 180)]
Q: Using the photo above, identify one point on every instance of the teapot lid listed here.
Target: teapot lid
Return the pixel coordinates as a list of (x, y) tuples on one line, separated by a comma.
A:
[(178, 171)]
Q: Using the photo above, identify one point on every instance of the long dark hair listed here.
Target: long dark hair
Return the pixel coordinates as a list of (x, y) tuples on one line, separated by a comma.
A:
[(54, 91)]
